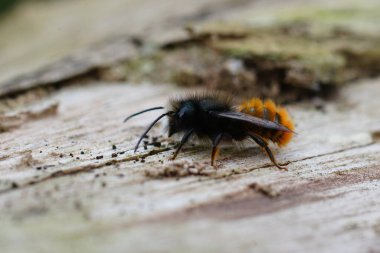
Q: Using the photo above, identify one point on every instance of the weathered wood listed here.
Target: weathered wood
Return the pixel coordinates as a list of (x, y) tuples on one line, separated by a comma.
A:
[(327, 201), (70, 182), (108, 29)]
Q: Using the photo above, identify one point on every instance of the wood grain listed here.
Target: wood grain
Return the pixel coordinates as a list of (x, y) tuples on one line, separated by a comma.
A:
[(328, 201)]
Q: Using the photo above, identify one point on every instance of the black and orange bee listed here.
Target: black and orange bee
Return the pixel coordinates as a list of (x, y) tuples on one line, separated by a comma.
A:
[(214, 117)]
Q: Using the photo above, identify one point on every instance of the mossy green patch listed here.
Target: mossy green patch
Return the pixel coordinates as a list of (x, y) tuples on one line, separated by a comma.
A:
[(304, 50), (361, 19)]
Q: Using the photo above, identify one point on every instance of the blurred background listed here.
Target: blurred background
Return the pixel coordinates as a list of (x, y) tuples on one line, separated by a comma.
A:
[(266, 48)]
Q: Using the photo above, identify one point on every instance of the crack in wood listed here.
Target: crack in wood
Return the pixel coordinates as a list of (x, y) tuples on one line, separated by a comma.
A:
[(248, 203), (91, 167), (244, 171), (86, 168)]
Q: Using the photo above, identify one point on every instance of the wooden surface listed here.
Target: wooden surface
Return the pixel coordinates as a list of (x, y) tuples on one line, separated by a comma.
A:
[(70, 182), (326, 202), (52, 34)]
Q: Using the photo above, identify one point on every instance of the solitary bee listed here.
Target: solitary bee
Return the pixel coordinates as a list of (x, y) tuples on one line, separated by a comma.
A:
[(214, 117)]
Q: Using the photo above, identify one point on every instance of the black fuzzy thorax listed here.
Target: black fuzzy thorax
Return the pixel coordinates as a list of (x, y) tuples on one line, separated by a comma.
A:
[(194, 113)]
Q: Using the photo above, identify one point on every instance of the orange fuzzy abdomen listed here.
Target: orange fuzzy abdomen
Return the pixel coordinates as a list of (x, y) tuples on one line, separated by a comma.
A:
[(269, 111)]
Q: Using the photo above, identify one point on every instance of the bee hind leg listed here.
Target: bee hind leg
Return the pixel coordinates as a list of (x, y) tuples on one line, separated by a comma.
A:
[(262, 143)]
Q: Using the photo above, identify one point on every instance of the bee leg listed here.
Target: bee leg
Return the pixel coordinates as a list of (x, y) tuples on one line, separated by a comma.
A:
[(215, 148), (261, 142), (185, 138)]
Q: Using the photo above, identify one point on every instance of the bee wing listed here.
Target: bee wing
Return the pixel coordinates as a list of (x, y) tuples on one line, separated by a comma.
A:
[(243, 117)]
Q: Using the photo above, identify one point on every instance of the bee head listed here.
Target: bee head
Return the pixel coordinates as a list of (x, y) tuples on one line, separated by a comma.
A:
[(183, 118)]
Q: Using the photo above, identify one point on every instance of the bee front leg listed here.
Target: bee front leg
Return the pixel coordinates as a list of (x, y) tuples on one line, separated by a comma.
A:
[(185, 138)]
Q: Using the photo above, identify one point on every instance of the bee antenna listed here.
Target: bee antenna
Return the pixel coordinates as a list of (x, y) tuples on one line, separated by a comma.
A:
[(150, 127), (143, 111)]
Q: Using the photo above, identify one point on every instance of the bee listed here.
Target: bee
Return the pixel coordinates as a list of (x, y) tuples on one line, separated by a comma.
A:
[(214, 117)]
